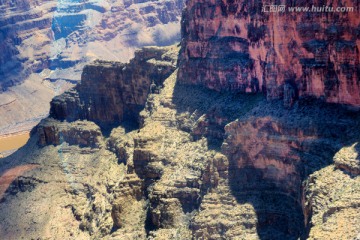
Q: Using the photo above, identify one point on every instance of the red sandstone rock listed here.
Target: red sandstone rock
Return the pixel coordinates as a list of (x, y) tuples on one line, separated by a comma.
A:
[(233, 46)]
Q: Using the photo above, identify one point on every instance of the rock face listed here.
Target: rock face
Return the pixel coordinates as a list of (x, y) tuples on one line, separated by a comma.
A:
[(116, 208), (79, 133), (122, 88), (200, 164), (268, 161), (235, 46)]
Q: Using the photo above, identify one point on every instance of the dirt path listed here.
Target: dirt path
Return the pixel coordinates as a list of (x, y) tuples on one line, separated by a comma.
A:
[(10, 175)]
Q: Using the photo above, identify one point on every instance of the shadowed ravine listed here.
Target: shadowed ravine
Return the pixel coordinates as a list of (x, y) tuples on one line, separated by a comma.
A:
[(272, 151), (272, 159)]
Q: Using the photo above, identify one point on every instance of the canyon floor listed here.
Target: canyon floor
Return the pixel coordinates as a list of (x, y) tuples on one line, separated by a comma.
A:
[(198, 164), (12, 142)]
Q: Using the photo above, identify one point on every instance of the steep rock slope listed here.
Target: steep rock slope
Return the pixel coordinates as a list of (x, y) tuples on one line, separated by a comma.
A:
[(236, 46), (201, 165)]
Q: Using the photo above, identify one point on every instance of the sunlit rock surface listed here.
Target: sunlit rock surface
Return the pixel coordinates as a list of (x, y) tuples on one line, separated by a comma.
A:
[(198, 164)]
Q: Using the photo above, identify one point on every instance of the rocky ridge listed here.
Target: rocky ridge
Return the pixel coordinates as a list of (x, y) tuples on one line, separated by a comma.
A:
[(123, 88), (200, 164)]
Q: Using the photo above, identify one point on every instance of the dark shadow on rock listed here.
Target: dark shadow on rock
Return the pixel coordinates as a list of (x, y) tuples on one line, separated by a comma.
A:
[(278, 203), (277, 196), (217, 109), (279, 214)]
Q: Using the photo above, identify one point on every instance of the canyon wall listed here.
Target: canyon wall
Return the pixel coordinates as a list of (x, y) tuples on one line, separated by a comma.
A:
[(121, 87), (235, 46), (44, 45), (41, 35), (199, 164)]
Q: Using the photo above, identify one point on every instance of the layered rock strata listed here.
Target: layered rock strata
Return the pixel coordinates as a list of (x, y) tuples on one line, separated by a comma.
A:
[(201, 165), (60, 35), (122, 88), (237, 46)]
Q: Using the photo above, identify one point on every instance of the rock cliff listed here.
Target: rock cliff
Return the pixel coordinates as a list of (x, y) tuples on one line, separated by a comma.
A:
[(198, 163), (236, 46), (44, 46), (122, 88)]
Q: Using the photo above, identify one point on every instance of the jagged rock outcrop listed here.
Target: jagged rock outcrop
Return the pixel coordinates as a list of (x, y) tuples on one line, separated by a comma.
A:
[(117, 207), (83, 134), (332, 199), (201, 164), (236, 46), (347, 159), (122, 88)]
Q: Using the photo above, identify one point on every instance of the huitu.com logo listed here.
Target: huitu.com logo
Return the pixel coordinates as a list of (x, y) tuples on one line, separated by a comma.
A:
[(316, 9)]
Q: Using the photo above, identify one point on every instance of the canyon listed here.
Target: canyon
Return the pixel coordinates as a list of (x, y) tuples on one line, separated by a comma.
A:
[(44, 46), (171, 145)]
